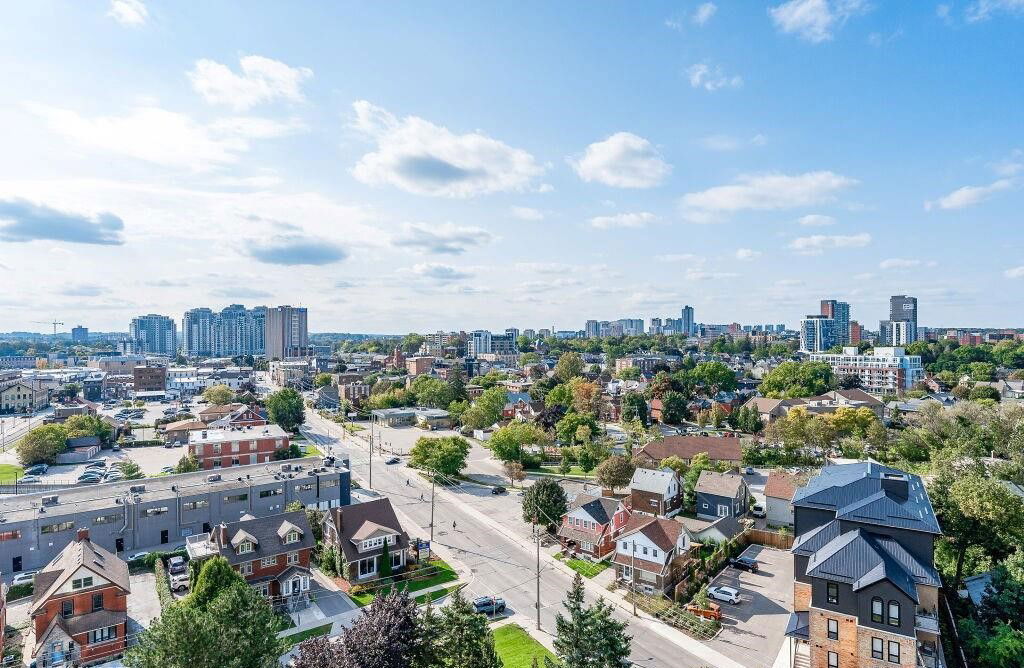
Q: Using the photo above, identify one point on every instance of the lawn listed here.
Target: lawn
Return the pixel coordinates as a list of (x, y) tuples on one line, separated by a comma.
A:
[(517, 649), (436, 594), (296, 638), (553, 470), (440, 572), (310, 450), (8, 472), (587, 569)]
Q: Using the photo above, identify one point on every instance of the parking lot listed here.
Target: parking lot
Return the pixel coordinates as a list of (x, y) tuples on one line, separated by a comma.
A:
[(753, 631)]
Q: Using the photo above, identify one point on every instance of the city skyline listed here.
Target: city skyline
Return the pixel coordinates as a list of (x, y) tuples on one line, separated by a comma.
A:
[(650, 157)]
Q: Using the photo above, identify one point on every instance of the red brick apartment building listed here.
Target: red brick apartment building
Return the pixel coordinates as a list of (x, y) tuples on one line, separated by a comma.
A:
[(236, 446)]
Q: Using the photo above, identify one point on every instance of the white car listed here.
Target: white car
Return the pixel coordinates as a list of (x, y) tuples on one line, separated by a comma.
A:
[(179, 582), (25, 577), (757, 510), (724, 594)]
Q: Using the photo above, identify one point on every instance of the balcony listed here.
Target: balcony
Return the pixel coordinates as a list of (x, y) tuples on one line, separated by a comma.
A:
[(926, 622), (929, 655)]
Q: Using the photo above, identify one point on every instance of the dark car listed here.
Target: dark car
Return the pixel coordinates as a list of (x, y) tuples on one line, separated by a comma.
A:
[(744, 564), (498, 490), (392, 460), (176, 565), (489, 605)]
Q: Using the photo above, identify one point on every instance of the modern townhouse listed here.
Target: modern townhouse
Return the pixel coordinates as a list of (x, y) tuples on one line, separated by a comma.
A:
[(591, 525), (236, 446), (141, 514), (650, 553), (866, 591), (364, 535), (721, 495), (656, 492)]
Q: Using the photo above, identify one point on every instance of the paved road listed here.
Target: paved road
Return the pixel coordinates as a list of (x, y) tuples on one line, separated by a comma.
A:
[(497, 564)]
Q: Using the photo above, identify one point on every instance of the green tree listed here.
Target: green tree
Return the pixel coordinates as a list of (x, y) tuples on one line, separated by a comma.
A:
[(797, 379), (286, 409), (457, 409), (507, 443), (89, 425), (187, 464), (984, 392), (630, 373), (432, 392), (42, 444), (717, 415), (457, 383), (487, 408), (589, 637), (322, 380), (569, 365), (219, 395), (715, 377), (673, 407), (676, 464), (634, 407), (385, 561), (616, 471), (544, 502), (215, 577), (698, 463), (131, 470), (445, 455), (463, 637), (559, 395), (568, 428)]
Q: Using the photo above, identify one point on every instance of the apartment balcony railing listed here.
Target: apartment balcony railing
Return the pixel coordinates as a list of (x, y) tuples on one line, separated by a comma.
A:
[(927, 622)]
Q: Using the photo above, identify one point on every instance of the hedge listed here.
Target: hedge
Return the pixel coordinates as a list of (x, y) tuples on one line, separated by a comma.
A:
[(163, 586), (140, 444), (20, 591), (149, 561)]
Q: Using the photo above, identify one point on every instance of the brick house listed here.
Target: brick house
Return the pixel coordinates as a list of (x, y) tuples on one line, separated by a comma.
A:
[(235, 446), (650, 553), (79, 607), (591, 525), (725, 450), (359, 533), (232, 415), (272, 554), (656, 492), (865, 591), (177, 432), (721, 495)]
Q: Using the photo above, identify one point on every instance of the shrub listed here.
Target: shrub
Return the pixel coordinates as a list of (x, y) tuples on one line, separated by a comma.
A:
[(163, 586), (356, 590), (20, 591)]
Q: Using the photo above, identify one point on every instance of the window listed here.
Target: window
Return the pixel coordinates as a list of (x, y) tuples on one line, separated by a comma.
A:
[(894, 613), (877, 648), (246, 568), (329, 483), (654, 553), (102, 635), (235, 498), (195, 505), (108, 519), (396, 559), (625, 545), (305, 487), (293, 558), (267, 562), (97, 602), (67, 608), (245, 547), (10, 535), (833, 660), (833, 629), (271, 492), (704, 505), (876, 610), (291, 537), (894, 651), (367, 566), (81, 583), (832, 592), (54, 528), (151, 512)]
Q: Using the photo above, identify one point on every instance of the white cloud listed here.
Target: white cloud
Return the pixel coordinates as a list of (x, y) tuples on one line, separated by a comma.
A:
[(981, 10), (747, 254), (730, 143), (128, 12), (623, 160), (526, 213), (445, 239), (696, 274), (1010, 166), (763, 192), (900, 263), (439, 272), (262, 80), (969, 195), (1016, 272), (704, 13), (705, 76), (426, 159), (788, 283), (817, 243), (680, 257), (866, 276), (816, 220), (634, 220), (815, 20), (162, 137)]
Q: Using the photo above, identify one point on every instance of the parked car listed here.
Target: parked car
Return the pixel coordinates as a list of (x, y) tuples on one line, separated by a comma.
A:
[(138, 555), (724, 594), (28, 479), (749, 470), (167, 469), (25, 577), (744, 564), (489, 605), (757, 510), (498, 490), (179, 582), (176, 565), (392, 460), (37, 469), (713, 611)]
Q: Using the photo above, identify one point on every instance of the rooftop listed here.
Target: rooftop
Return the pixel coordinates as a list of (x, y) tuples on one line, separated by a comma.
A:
[(236, 433), (720, 484)]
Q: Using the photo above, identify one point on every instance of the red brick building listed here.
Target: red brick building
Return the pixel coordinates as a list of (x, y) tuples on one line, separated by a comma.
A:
[(271, 553), (3, 613), (80, 606), (591, 525), (236, 446)]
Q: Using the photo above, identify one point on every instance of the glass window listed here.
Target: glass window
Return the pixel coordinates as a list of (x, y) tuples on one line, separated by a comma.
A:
[(244, 547), (894, 652), (876, 610), (97, 602), (877, 648), (833, 629), (832, 592), (833, 660), (81, 583), (67, 608), (894, 613), (268, 561)]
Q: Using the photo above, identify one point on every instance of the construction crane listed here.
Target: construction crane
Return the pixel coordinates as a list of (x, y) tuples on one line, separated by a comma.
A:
[(49, 322)]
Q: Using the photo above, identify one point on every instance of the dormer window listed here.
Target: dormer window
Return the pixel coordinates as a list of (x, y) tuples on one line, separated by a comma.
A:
[(245, 547), (291, 537)]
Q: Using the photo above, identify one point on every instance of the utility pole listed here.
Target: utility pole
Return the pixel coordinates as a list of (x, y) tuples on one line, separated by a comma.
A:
[(371, 450), (537, 536), (632, 575), (432, 511)]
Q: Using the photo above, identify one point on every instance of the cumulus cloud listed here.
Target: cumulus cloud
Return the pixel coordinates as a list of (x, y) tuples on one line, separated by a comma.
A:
[(816, 220), (623, 160), (815, 20), (640, 219), (24, 221), (162, 137), (128, 12), (526, 213), (763, 192), (295, 249), (1015, 272), (439, 272), (969, 195), (704, 13), (712, 78), (818, 243), (747, 253), (420, 157), (900, 263), (261, 80), (446, 239)]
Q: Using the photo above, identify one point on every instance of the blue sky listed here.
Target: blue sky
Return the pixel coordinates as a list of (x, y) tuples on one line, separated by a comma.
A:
[(422, 166)]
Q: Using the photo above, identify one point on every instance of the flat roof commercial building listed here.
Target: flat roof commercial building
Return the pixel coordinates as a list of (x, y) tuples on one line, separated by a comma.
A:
[(131, 515)]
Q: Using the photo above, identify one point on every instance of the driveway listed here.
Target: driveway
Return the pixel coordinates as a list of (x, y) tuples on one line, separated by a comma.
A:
[(143, 604), (753, 631)]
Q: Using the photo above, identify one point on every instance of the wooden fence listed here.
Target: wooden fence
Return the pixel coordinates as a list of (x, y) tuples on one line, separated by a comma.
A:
[(779, 541)]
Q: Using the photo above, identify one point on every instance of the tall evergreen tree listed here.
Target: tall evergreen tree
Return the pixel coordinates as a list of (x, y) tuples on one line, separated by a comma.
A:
[(457, 384), (464, 639), (589, 637)]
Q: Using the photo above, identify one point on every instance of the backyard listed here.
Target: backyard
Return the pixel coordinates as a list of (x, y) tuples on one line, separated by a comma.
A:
[(517, 649), (430, 574)]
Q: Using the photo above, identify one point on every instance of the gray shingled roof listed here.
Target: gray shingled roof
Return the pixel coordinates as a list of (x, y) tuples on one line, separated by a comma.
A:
[(265, 532), (600, 508), (857, 492)]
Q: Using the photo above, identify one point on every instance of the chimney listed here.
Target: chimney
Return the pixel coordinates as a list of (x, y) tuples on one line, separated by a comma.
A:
[(83, 534), (896, 484), (223, 528)]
